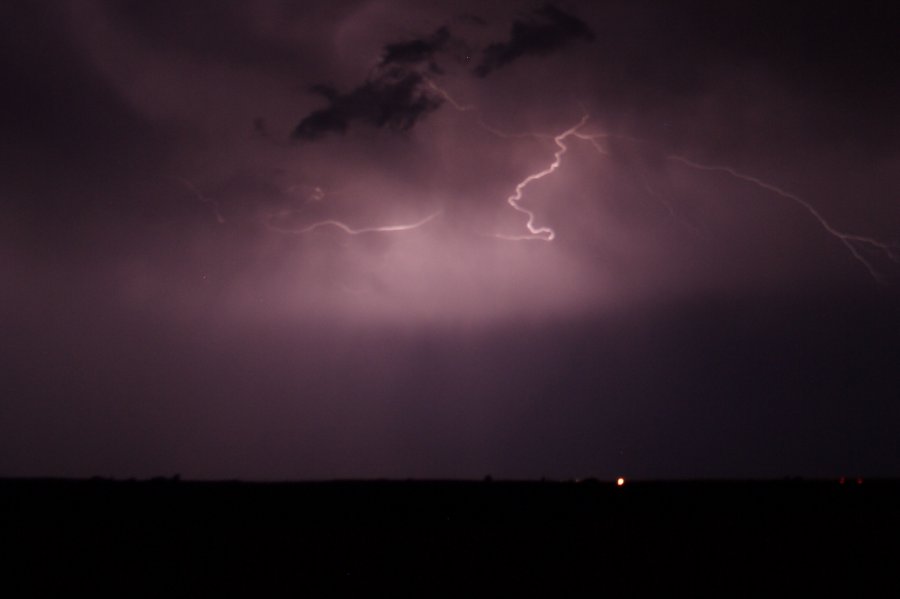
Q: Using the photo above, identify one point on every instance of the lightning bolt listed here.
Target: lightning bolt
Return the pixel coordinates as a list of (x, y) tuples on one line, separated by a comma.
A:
[(446, 96), (443, 93), (515, 199), (545, 233), (594, 140), (849, 240), (201, 197), (318, 195), (852, 242), (542, 232), (350, 230)]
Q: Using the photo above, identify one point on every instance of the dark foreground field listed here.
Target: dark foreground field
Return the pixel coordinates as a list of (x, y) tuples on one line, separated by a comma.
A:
[(450, 538)]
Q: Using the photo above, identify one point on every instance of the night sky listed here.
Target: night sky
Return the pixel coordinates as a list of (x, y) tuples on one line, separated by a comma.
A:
[(277, 239)]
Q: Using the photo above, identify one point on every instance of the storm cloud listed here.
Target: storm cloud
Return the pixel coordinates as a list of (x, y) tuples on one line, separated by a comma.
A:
[(187, 289), (417, 51), (397, 96), (545, 31), (395, 99)]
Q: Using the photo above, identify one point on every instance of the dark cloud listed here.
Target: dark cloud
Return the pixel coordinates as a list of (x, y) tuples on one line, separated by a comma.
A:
[(547, 30), (471, 19), (395, 99), (416, 51)]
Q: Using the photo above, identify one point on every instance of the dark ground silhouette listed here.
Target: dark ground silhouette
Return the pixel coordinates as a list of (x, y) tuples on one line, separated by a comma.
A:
[(449, 538)]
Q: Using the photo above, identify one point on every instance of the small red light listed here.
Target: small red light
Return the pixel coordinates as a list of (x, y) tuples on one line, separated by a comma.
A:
[(620, 481), (859, 481), (842, 480)]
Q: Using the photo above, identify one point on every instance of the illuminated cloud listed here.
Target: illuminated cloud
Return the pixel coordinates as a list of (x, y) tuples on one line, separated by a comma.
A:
[(188, 288)]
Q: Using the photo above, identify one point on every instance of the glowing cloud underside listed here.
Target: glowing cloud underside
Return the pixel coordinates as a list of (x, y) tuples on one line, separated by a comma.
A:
[(545, 233), (852, 242), (849, 240)]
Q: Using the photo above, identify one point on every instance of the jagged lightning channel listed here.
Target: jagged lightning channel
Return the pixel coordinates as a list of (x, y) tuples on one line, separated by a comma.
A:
[(443, 93), (849, 240), (545, 233), (351, 231), (515, 199), (201, 197)]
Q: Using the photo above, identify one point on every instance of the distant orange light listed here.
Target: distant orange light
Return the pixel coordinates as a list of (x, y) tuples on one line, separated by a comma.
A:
[(620, 481)]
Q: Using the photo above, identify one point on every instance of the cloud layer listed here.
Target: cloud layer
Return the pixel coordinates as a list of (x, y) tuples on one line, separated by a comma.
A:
[(174, 298), (545, 31)]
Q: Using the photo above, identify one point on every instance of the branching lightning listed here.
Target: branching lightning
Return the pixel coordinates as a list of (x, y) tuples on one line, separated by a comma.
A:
[(534, 232), (853, 242), (515, 199), (850, 241), (481, 122), (545, 233)]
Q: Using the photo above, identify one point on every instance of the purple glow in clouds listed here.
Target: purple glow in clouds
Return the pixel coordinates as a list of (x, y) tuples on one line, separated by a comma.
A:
[(385, 238)]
